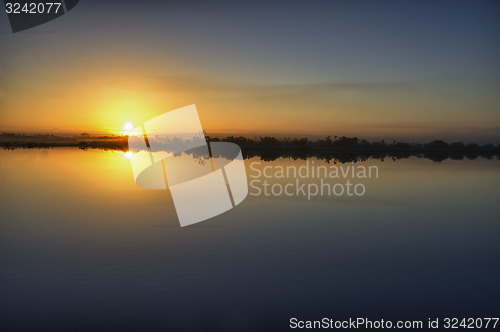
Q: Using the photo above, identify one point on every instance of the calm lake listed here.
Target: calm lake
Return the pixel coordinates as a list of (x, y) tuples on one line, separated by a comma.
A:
[(82, 248)]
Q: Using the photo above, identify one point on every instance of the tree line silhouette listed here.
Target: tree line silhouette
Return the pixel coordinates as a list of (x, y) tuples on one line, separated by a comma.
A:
[(337, 149), (352, 149)]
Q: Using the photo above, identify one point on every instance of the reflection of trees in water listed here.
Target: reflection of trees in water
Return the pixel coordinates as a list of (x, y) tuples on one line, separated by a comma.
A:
[(201, 160), (351, 149), (337, 149)]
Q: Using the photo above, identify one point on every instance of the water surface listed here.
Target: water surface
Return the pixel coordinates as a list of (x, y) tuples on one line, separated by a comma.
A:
[(83, 248)]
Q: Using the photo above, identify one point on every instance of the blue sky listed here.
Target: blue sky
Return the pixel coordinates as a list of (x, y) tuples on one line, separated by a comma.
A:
[(413, 69)]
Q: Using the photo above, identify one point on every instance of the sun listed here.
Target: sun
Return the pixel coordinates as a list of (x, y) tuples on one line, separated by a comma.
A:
[(128, 126)]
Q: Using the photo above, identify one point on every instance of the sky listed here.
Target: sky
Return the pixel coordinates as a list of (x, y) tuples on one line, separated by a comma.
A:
[(412, 70)]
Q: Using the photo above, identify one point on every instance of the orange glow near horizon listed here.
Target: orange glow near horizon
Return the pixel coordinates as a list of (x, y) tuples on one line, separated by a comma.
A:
[(104, 104), (94, 78)]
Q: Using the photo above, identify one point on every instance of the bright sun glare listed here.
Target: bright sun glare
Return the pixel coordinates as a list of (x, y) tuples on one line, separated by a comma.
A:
[(128, 126)]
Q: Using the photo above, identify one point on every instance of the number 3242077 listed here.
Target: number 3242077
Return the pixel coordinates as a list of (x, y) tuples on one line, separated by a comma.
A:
[(32, 8)]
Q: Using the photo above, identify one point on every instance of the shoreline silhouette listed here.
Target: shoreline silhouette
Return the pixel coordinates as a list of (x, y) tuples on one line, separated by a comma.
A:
[(337, 149)]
